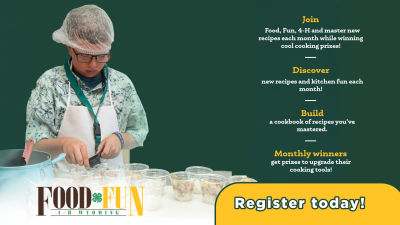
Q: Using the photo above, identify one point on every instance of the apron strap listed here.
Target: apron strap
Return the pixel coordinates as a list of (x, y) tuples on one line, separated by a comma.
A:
[(69, 95), (69, 89)]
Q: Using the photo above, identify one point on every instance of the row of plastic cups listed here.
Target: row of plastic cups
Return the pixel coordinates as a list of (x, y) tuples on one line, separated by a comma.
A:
[(183, 184), (78, 174), (111, 178), (197, 171), (153, 188), (117, 178), (138, 171), (108, 174), (132, 170), (121, 178), (128, 176)]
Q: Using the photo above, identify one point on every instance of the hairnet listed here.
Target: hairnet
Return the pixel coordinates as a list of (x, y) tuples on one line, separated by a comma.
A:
[(88, 29)]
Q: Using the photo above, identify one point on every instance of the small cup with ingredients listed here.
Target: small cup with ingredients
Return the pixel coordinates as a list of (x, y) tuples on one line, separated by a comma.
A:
[(211, 185), (121, 177), (196, 171), (156, 174), (136, 168), (182, 184), (97, 183), (78, 175), (152, 193), (104, 167)]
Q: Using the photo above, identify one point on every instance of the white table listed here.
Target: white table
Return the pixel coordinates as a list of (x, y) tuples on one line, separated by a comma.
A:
[(171, 211)]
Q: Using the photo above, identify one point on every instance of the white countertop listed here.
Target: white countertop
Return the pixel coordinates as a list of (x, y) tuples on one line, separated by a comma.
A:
[(171, 211)]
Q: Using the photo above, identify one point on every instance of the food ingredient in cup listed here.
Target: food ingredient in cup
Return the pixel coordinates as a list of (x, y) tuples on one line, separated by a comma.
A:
[(245, 180), (104, 167), (135, 176), (197, 186), (210, 191), (240, 178), (121, 177), (183, 196), (136, 168), (183, 189)]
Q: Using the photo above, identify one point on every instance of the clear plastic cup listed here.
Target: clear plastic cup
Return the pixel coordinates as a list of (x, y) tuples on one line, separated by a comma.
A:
[(195, 171), (156, 174), (79, 175), (120, 177), (240, 178), (104, 167), (211, 185), (182, 184), (135, 168), (152, 193), (96, 183)]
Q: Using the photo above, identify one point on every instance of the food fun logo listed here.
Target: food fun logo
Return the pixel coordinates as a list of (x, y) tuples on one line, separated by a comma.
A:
[(65, 202)]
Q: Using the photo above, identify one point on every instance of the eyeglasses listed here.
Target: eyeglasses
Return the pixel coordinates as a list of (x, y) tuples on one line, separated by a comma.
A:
[(86, 58)]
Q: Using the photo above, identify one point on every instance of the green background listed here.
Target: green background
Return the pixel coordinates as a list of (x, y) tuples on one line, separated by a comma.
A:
[(197, 68)]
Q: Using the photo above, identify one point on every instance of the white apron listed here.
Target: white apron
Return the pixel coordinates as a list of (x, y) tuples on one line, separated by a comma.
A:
[(78, 123)]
